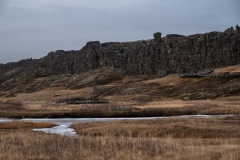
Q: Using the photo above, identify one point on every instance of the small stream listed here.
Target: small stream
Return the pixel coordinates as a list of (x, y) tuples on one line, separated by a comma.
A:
[(64, 124)]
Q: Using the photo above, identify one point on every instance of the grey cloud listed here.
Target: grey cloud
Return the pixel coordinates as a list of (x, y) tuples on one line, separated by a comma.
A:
[(34, 28), (2, 6)]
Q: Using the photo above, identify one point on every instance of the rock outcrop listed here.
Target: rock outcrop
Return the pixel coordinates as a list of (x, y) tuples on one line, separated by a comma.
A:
[(159, 56)]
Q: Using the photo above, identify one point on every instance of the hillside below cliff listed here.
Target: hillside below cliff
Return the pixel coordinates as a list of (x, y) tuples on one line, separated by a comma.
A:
[(110, 84), (106, 92)]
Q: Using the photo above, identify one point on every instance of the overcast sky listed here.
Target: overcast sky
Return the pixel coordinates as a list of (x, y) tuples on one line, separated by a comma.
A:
[(32, 28)]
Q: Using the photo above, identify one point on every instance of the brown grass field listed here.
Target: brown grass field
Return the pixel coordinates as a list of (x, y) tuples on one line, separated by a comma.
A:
[(16, 125), (152, 109), (178, 127), (176, 138)]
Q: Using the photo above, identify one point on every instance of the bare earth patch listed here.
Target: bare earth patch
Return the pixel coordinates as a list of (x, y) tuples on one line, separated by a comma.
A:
[(230, 69)]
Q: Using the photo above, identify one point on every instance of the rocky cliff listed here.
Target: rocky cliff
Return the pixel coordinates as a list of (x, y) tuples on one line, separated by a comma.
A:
[(159, 56)]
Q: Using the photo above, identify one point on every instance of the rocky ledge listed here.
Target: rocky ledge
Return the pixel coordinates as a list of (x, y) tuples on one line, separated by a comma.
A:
[(158, 56)]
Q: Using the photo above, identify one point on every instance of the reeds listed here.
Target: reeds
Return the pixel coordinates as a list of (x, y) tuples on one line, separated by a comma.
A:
[(195, 127), (172, 138), (29, 145)]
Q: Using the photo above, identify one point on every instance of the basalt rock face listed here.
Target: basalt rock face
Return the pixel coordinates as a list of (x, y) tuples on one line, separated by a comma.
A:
[(159, 56)]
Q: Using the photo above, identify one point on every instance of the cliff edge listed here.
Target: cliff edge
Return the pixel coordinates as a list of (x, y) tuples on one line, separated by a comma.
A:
[(159, 56)]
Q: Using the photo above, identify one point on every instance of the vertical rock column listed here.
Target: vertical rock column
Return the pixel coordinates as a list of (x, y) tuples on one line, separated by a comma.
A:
[(157, 37)]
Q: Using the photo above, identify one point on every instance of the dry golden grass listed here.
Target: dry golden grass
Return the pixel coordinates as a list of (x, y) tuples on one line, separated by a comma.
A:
[(51, 95), (228, 127), (229, 69), (173, 138), (28, 145), (227, 105), (170, 80), (11, 106), (24, 125)]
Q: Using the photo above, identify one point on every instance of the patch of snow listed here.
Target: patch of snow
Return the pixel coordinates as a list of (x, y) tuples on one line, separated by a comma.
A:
[(63, 130), (5, 120)]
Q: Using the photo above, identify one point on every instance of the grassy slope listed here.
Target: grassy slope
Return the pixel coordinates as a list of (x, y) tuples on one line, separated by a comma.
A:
[(170, 95), (130, 89)]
